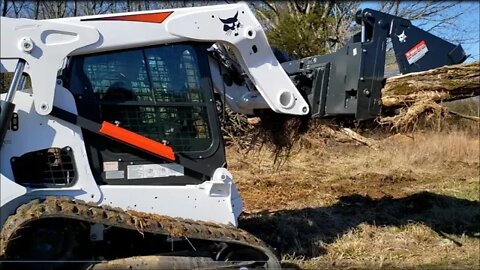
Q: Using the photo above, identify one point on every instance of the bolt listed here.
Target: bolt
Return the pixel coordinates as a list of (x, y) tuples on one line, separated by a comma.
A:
[(304, 109), (26, 44), (366, 92)]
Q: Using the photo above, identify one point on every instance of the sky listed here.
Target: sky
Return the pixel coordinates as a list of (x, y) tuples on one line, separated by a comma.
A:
[(467, 25)]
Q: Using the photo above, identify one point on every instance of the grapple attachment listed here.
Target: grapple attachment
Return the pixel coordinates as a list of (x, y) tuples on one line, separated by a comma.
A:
[(349, 81)]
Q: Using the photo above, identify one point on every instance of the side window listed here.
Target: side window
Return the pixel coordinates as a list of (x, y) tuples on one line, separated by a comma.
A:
[(155, 92), (121, 76), (175, 74)]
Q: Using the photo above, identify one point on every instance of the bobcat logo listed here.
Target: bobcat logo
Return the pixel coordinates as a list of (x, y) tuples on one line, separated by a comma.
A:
[(402, 37), (231, 25)]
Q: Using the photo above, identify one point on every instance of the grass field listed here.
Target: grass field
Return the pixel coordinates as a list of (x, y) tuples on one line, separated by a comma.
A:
[(413, 203)]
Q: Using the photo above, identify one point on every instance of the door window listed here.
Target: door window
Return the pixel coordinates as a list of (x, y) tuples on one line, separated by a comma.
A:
[(156, 92)]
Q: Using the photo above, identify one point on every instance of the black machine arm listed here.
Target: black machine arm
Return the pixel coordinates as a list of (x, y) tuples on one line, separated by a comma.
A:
[(349, 81)]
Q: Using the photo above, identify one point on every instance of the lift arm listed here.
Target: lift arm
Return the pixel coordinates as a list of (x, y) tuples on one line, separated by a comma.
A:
[(44, 45)]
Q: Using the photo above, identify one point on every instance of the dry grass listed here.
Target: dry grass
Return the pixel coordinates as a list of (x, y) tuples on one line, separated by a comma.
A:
[(411, 246), (413, 203), (470, 107), (432, 150)]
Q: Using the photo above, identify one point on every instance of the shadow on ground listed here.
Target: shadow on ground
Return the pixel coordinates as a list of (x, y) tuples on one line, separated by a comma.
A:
[(293, 231)]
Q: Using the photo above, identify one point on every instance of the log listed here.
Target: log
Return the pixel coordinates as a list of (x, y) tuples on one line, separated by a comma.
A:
[(419, 94), (441, 84)]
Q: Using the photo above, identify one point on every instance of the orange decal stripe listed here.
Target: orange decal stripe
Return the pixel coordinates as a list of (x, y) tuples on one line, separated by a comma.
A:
[(137, 140), (150, 18)]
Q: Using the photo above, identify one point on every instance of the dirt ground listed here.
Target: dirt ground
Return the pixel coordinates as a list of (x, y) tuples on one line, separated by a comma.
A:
[(412, 203)]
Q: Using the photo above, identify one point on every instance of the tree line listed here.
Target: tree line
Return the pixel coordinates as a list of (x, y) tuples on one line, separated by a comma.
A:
[(301, 28)]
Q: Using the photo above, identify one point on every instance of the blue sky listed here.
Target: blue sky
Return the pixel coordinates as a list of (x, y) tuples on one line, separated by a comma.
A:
[(467, 25)]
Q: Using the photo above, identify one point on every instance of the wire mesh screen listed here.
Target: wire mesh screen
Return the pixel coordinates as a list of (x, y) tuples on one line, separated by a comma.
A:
[(113, 75), (156, 92), (174, 74), (45, 168), (183, 127)]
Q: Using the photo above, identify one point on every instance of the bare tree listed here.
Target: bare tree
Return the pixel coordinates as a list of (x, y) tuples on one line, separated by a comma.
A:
[(54, 9), (99, 7), (18, 7), (4, 7), (343, 14), (75, 7), (428, 14), (37, 9)]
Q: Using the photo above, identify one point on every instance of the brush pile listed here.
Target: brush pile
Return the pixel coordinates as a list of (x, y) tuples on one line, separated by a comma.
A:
[(406, 99)]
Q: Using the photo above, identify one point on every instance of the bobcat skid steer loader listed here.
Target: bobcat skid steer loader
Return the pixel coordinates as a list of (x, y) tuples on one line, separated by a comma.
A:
[(114, 158)]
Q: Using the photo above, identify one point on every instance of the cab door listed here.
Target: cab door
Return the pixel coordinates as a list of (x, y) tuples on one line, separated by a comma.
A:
[(163, 93)]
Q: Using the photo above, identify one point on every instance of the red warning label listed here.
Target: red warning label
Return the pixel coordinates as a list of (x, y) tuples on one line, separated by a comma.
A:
[(417, 52)]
